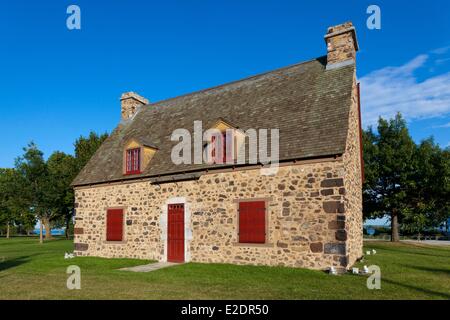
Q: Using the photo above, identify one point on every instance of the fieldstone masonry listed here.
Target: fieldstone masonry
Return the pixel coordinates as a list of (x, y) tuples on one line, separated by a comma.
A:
[(314, 215), (341, 44), (130, 104)]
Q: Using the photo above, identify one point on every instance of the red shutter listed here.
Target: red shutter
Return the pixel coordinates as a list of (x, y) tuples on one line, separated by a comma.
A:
[(114, 225), (252, 222), (224, 143), (213, 149)]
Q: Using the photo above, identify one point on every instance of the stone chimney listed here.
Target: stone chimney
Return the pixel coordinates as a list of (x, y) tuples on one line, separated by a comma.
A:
[(341, 45), (131, 102)]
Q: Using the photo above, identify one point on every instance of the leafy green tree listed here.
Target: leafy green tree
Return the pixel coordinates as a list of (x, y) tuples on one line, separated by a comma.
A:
[(7, 213), (36, 186), (428, 187), (389, 169), (42, 188), (444, 207), (13, 209), (371, 173), (86, 147), (415, 221), (62, 170)]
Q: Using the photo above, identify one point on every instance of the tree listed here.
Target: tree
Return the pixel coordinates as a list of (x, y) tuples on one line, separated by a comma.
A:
[(84, 150), (388, 159), (13, 209), (43, 188), (36, 188), (429, 192), (7, 212), (415, 221), (371, 173), (62, 170), (86, 147), (444, 208)]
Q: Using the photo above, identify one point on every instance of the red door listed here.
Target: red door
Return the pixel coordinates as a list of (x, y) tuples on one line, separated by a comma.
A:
[(175, 234)]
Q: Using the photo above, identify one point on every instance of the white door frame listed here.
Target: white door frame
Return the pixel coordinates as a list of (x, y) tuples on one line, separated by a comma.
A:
[(187, 226)]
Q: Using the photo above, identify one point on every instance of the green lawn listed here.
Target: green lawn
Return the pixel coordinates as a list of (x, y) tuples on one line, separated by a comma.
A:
[(29, 270)]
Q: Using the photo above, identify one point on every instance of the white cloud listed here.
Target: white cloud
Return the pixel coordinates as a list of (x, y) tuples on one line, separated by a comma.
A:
[(390, 90), (441, 50), (446, 125), (442, 61)]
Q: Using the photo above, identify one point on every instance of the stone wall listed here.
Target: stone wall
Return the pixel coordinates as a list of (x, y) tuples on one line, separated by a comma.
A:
[(308, 217), (353, 182), (130, 103), (341, 43)]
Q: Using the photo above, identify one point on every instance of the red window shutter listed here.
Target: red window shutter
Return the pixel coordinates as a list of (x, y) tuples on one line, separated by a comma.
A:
[(213, 148), (252, 222), (224, 145), (114, 225)]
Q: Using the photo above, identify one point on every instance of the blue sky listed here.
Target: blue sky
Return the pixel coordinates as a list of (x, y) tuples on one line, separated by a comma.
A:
[(58, 84)]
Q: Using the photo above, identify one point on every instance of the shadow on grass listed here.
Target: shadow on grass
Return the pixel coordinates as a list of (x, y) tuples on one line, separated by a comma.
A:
[(413, 252), (427, 269), (422, 290), (8, 264)]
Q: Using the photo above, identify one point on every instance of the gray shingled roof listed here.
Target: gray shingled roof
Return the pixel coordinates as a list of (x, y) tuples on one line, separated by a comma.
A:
[(308, 104)]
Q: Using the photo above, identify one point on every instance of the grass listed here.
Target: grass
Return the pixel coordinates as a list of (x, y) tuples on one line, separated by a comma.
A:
[(29, 270)]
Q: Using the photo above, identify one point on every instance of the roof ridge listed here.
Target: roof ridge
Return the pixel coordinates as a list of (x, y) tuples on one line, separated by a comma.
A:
[(234, 82)]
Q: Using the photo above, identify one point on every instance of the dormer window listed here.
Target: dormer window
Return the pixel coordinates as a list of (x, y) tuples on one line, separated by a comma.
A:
[(224, 142), (137, 155), (133, 161)]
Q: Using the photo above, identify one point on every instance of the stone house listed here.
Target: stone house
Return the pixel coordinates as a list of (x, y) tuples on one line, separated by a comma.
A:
[(133, 201)]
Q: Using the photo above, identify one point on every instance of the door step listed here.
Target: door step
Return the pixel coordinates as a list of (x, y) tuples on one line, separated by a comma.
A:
[(151, 267)]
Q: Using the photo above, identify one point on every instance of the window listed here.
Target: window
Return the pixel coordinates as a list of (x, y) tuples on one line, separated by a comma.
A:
[(136, 156), (114, 225), (221, 157), (133, 161), (252, 222)]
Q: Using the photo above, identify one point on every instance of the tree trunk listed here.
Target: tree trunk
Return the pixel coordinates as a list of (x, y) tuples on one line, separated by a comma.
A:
[(67, 226), (394, 227), (48, 234), (7, 230), (41, 240)]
